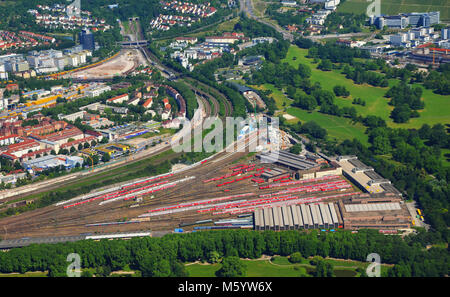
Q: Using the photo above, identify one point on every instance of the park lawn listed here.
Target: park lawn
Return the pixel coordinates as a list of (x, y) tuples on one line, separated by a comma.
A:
[(342, 267), (277, 95), (337, 127), (437, 107), (162, 132), (376, 104), (26, 274), (255, 268), (445, 157), (228, 25), (392, 7)]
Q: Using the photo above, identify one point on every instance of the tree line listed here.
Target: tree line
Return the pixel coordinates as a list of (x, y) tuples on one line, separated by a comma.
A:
[(166, 256)]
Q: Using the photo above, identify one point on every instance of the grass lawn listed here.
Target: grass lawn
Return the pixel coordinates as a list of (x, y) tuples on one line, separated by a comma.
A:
[(392, 7), (258, 268), (228, 26), (281, 267), (277, 95), (162, 132), (26, 274), (437, 107), (445, 157), (337, 127)]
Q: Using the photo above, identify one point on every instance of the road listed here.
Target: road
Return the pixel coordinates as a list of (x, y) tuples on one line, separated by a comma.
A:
[(246, 6), (318, 37), (411, 206)]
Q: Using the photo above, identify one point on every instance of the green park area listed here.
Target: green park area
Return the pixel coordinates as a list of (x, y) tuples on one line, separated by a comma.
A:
[(337, 127), (279, 266), (392, 7), (437, 109)]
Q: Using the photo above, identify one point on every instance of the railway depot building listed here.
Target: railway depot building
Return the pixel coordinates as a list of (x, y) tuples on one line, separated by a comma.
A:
[(301, 166), (388, 212), (364, 176), (379, 205)]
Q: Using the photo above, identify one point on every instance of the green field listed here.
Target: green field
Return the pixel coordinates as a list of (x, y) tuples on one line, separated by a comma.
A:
[(337, 127), (281, 267), (437, 109), (26, 274), (228, 26), (280, 99), (392, 7), (255, 268)]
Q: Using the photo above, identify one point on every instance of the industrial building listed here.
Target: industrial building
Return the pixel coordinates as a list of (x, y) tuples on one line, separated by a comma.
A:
[(385, 212), (401, 21), (364, 176), (52, 161), (286, 159), (302, 166), (298, 216), (97, 91), (113, 150)]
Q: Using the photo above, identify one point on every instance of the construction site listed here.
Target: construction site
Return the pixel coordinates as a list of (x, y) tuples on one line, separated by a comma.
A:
[(122, 64), (226, 190)]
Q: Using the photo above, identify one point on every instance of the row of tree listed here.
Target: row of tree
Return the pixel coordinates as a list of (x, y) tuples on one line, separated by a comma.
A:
[(165, 256)]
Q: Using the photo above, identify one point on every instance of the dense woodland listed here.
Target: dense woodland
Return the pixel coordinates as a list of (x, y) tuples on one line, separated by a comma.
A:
[(165, 256)]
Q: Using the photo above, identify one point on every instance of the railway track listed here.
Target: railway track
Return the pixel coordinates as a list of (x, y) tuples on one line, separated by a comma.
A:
[(190, 82), (64, 220)]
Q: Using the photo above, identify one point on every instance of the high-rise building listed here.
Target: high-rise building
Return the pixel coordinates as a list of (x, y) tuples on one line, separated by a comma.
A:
[(401, 21), (445, 33), (87, 40)]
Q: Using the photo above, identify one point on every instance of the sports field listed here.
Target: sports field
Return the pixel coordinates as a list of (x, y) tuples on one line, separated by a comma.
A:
[(392, 7), (437, 107)]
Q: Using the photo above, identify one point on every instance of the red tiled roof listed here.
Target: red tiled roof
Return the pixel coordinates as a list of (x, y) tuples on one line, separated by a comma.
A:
[(148, 102)]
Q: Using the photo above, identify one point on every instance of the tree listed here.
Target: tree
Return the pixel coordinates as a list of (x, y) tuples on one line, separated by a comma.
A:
[(296, 257), (381, 145), (296, 148), (438, 136), (106, 157), (401, 114), (313, 129), (324, 269), (214, 257), (232, 267), (341, 91), (325, 65)]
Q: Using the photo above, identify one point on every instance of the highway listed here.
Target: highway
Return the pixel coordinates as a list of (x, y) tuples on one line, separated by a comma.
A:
[(246, 6)]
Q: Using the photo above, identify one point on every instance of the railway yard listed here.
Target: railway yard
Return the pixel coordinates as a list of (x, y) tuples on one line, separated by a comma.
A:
[(223, 191)]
